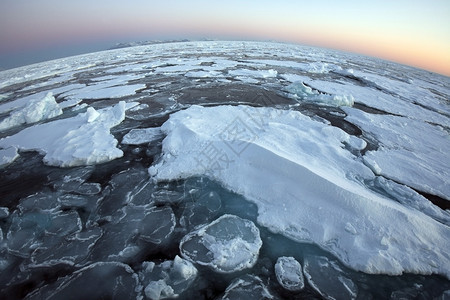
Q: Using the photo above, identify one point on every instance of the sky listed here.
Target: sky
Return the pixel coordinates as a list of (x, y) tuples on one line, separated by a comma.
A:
[(412, 32)]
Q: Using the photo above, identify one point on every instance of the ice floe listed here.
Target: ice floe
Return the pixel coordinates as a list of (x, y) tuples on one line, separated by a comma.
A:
[(247, 287), (254, 73), (8, 155), (103, 90), (328, 279), (305, 93), (401, 156), (289, 273), (81, 140), (29, 230), (102, 280), (141, 136), (317, 184), (373, 97), (72, 250), (34, 111), (203, 74), (227, 245), (168, 279), (200, 210), (4, 213)]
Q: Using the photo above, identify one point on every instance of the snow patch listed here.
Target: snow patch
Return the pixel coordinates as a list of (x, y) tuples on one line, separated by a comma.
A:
[(81, 140), (34, 111), (254, 73), (102, 90), (203, 74)]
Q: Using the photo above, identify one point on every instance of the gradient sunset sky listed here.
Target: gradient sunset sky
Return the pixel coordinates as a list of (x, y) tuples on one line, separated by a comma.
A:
[(412, 32)]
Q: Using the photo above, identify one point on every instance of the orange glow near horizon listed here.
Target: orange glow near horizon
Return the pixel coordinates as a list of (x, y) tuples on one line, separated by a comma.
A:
[(409, 32)]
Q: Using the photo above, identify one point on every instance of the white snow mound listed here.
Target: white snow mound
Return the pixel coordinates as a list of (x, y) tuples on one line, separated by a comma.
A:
[(306, 185), (35, 111), (81, 140)]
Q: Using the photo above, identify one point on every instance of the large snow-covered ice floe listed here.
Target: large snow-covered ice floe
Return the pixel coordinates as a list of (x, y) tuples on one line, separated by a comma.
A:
[(81, 140), (227, 245), (35, 111), (306, 183)]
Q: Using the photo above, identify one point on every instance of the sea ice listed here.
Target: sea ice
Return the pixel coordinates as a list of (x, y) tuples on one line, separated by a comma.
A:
[(247, 287), (168, 279), (8, 155), (133, 232), (63, 223), (34, 111), (253, 73), (305, 93), (163, 196), (28, 230), (417, 91), (289, 273), (203, 74), (200, 210), (411, 198), (102, 280), (227, 245), (328, 279), (321, 67), (45, 201), (4, 213), (379, 99), (401, 156), (81, 140), (119, 191), (72, 250), (74, 181), (279, 63), (414, 292), (316, 186), (157, 225), (246, 79), (3, 97), (21, 102), (111, 89), (72, 201), (141, 136)]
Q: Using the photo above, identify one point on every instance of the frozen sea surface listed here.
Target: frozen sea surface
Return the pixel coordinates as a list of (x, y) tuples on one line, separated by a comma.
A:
[(224, 170)]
